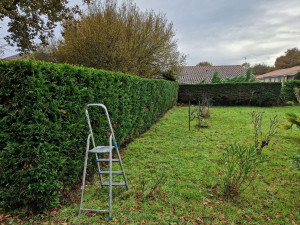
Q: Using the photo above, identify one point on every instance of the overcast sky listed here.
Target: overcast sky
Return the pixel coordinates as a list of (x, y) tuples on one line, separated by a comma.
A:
[(223, 32)]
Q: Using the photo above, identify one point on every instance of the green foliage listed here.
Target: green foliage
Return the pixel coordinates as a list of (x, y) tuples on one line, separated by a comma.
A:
[(27, 20), (240, 163), (120, 37), (297, 93), (169, 75), (287, 93), (216, 78), (258, 94), (290, 59), (260, 69), (297, 76), (249, 77), (204, 63), (293, 119), (203, 81), (43, 126)]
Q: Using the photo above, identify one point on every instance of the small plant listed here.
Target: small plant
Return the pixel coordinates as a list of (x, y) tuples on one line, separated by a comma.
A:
[(147, 189), (292, 119), (240, 166), (261, 140)]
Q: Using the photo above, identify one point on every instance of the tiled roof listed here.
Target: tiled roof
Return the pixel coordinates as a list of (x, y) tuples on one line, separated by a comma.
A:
[(195, 74), (279, 73), (13, 57)]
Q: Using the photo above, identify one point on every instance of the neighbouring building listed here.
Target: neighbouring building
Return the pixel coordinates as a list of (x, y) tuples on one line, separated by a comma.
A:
[(13, 57), (196, 74), (279, 75)]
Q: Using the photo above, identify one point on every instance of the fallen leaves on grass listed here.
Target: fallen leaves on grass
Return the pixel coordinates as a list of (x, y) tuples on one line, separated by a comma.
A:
[(172, 210), (248, 217), (266, 217)]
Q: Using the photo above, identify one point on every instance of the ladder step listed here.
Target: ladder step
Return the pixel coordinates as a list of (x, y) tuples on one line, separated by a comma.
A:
[(113, 184), (95, 210), (113, 172), (101, 149), (107, 160)]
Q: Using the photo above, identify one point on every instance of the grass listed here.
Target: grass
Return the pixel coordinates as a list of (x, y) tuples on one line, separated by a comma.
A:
[(188, 164)]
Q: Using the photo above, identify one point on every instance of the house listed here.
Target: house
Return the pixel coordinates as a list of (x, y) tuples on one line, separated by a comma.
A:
[(279, 75), (196, 74)]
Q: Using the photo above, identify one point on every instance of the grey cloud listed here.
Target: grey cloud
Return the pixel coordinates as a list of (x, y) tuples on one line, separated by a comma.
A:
[(225, 31)]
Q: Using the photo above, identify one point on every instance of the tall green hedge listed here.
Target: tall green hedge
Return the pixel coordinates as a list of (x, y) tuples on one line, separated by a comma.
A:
[(288, 93), (43, 128), (257, 94)]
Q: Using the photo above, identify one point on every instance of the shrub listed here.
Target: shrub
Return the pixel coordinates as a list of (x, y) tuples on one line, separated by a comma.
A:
[(249, 77), (240, 164), (216, 78), (287, 92), (257, 94), (293, 119), (262, 139), (297, 76), (43, 128)]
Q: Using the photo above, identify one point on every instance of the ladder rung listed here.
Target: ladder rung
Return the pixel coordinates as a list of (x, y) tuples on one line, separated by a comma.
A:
[(101, 149), (96, 210), (113, 184), (113, 172), (107, 160)]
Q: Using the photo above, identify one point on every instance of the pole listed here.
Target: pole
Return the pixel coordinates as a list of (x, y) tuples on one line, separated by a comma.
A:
[(189, 115), (199, 117)]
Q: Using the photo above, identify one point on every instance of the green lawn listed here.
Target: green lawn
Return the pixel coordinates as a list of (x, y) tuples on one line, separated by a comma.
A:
[(191, 188)]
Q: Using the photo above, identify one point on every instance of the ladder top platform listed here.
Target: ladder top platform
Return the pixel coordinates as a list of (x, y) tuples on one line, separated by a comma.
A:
[(101, 149)]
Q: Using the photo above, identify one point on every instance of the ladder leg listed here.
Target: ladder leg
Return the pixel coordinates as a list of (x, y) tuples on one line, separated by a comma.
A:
[(121, 164), (110, 184), (83, 180)]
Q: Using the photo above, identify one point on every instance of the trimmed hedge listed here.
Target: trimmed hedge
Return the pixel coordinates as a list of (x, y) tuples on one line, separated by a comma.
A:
[(288, 93), (43, 128), (256, 94)]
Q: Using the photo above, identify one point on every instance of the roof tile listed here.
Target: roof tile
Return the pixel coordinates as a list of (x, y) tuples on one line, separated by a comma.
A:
[(282, 72), (195, 74)]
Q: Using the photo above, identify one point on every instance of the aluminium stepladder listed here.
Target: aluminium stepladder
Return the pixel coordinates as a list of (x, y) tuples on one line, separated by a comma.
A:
[(102, 150)]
